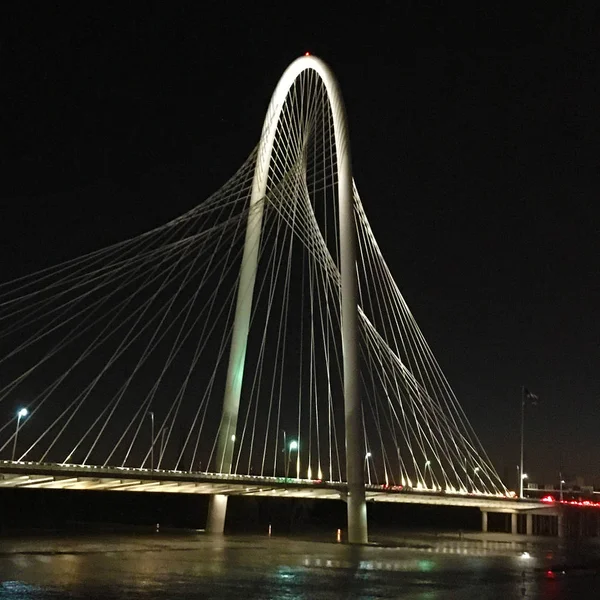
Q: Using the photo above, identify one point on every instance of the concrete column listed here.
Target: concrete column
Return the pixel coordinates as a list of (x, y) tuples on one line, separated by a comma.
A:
[(484, 521), (217, 508), (529, 523), (513, 523), (560, 524)]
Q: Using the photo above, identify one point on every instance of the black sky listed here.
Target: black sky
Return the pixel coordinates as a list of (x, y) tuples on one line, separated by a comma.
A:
[(475, 141)]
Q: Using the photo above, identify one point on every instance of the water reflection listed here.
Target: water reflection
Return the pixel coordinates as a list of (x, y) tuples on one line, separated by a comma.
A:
[(205, 567)]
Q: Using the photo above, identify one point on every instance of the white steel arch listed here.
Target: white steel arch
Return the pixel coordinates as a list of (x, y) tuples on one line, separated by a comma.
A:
[(357, 514)]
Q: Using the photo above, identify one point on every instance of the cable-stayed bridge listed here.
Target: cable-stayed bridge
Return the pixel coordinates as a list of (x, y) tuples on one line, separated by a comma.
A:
[(257, 341)]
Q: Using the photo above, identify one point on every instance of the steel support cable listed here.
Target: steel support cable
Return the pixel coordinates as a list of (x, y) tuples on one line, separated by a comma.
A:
[(371, 329), (329, 167), (28, 305), (196, 357), (274, 264), (96, 254), (123, 345), (101, 254), (454, 402), (61, 378), (257, 379), (266, 439), (142, 310), (396, 363), (286, 184), (466, 424), (73, 335), (394, 360), (281, 334), (115, 267), (365, 224), (305, 230), (216, 439), (324, 327), (120, 261), (251, 324), (311, 220), (82, 277), (294, 209), (190, 302), (176, 346), (366, 300), (319, 303), (305, 203), (281, 337), (373, 405), (91, 310), (64, 308), (81, 261), (393, 415), (459, 411)]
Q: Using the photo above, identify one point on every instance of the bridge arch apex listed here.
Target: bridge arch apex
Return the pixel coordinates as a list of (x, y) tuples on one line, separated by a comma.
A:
[(338, 111)]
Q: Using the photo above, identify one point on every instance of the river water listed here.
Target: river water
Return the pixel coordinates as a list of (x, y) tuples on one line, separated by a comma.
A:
[(198, 566)]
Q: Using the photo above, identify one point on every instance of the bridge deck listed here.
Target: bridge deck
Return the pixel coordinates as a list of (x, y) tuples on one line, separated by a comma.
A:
[(87, 477)]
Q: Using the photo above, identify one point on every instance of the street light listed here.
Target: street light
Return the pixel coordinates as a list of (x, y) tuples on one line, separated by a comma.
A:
[(23, 412), (562, 482), (292, 446)]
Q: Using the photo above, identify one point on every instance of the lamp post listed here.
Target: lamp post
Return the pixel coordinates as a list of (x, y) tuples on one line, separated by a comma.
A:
[(525, 395), (368, 455), (522, 441), (23, 412), (151, 413), (562, 482), (522, 483), (285, 450)]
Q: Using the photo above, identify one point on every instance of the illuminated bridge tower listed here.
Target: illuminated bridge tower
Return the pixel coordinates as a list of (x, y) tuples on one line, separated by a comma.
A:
[(355, 452)]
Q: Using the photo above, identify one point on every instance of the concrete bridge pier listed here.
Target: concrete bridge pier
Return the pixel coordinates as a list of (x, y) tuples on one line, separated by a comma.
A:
[(217, 509), (528, 522), (560, 518)]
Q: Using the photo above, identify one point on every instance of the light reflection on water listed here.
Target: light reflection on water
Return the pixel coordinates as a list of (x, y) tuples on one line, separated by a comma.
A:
[(201, 566)]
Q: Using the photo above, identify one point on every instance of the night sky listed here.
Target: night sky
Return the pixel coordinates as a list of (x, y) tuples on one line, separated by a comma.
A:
[(476, 144)]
